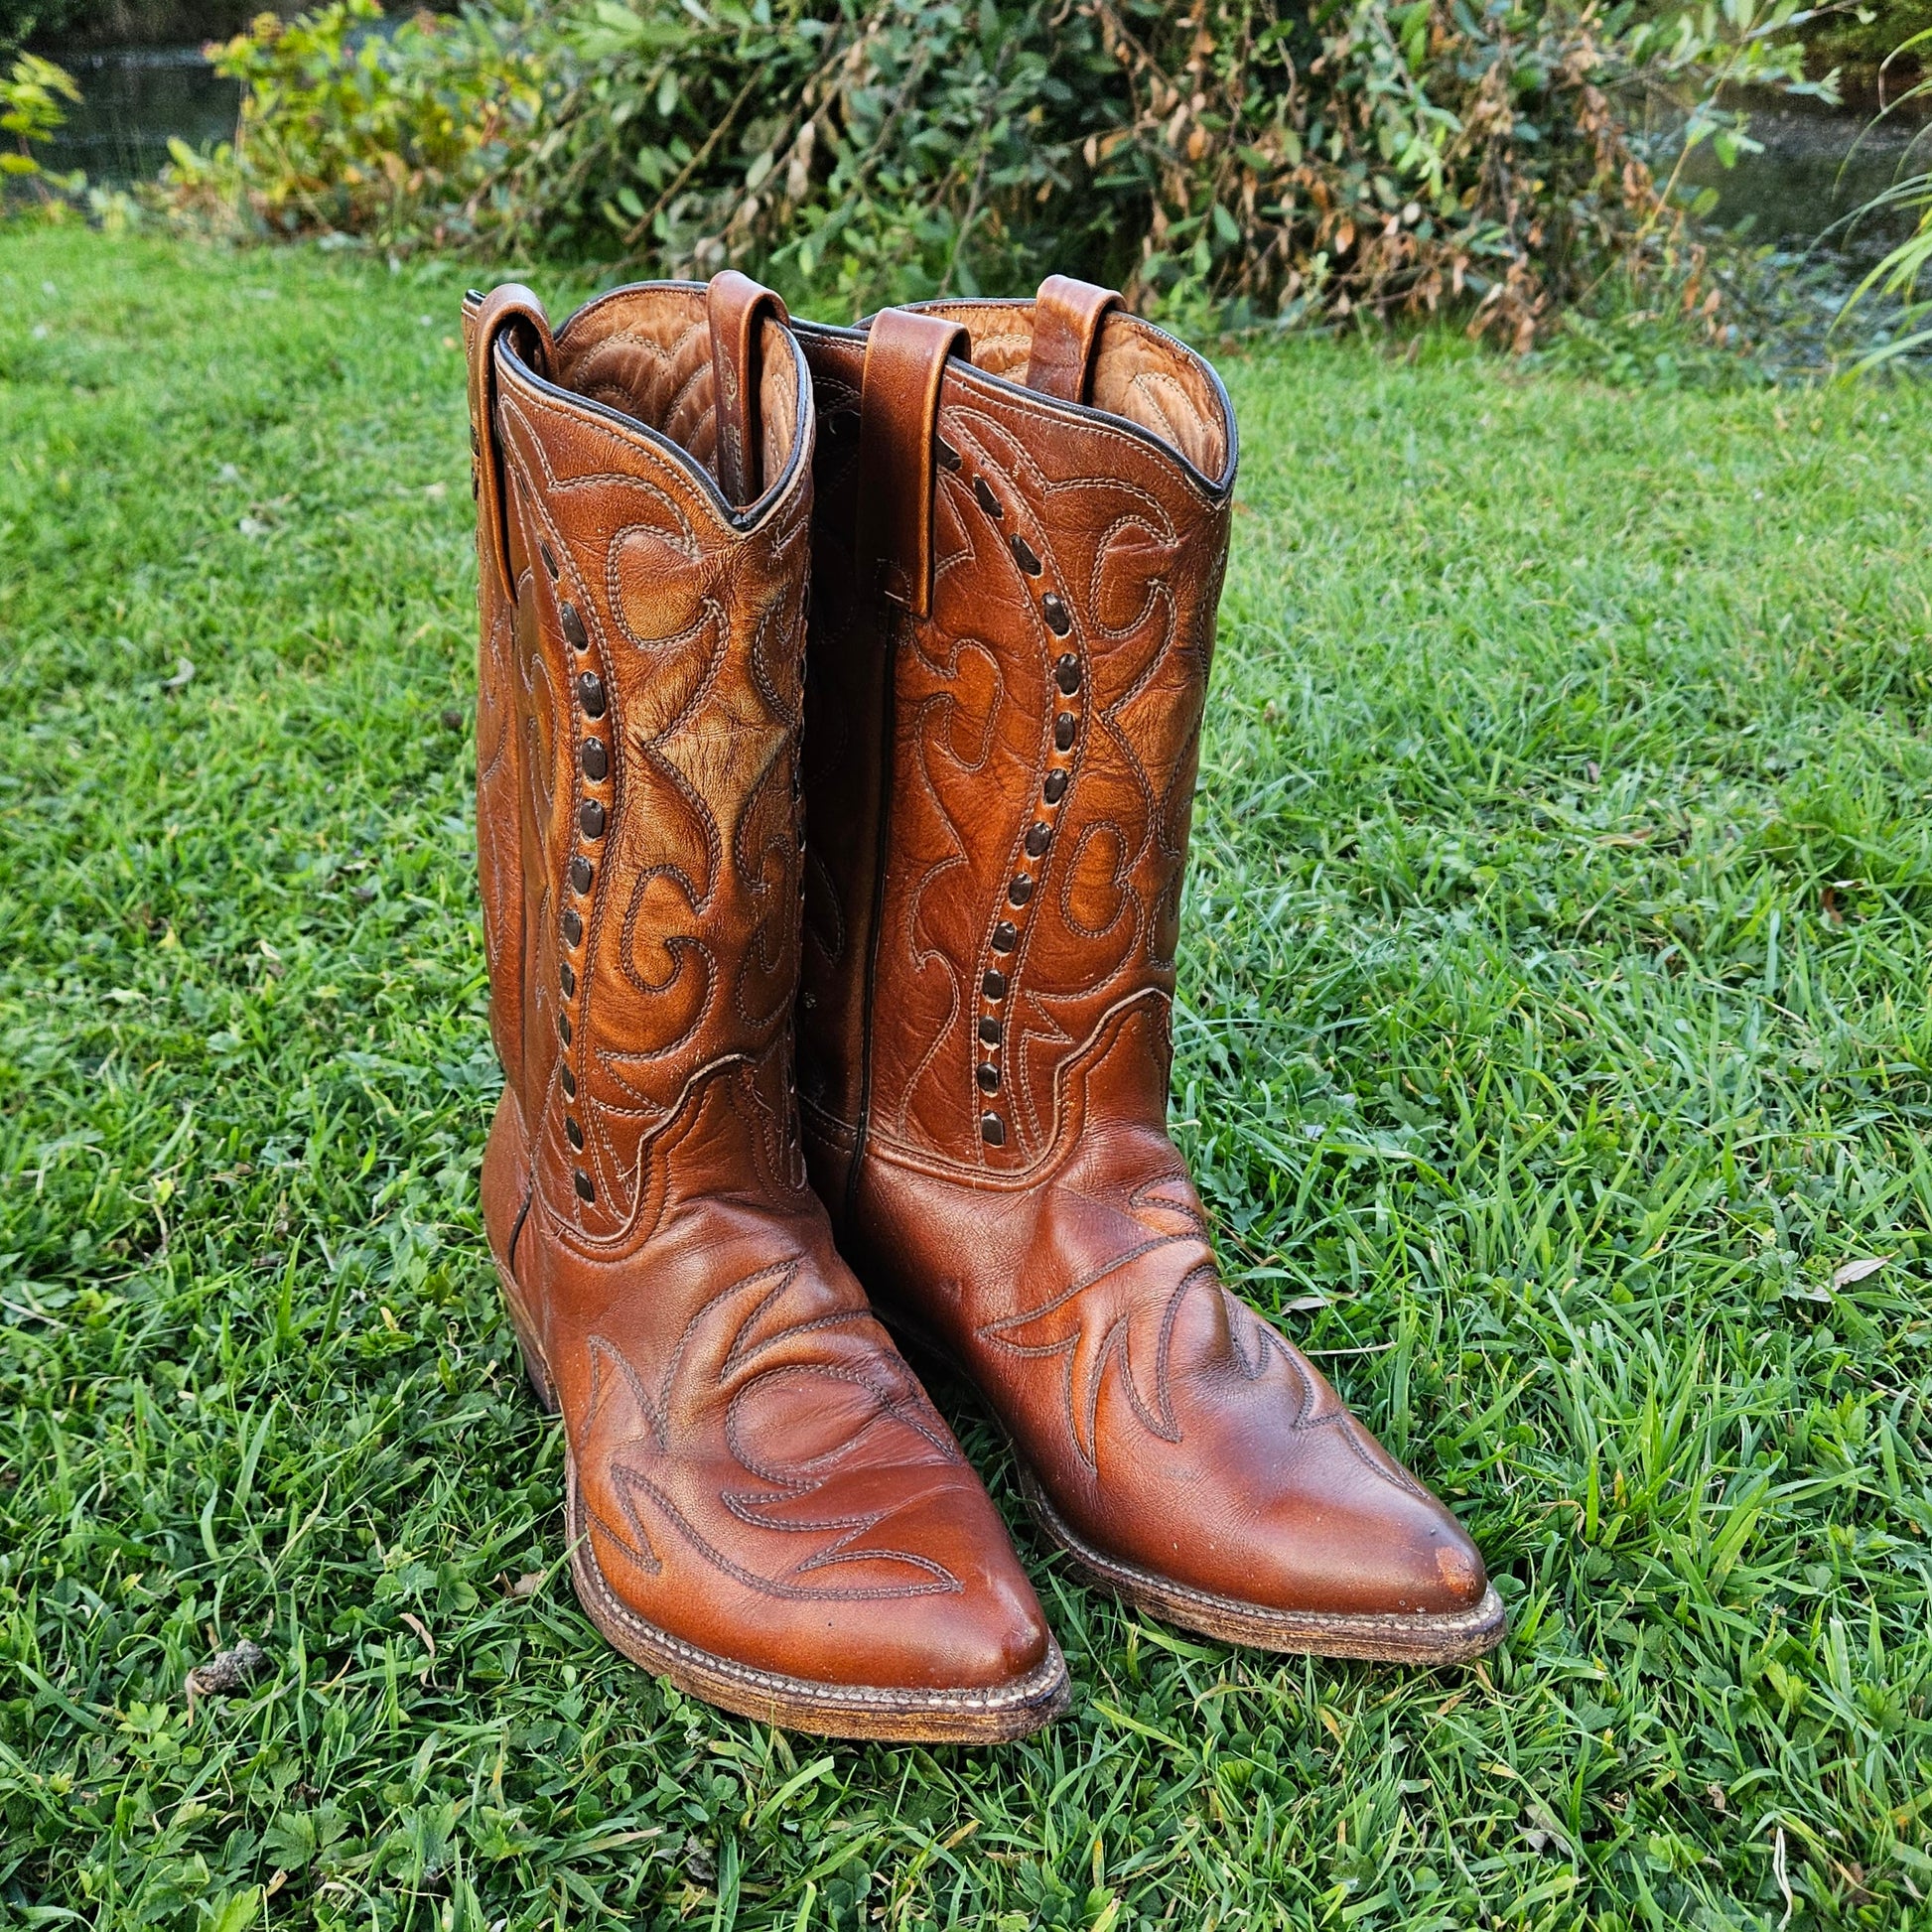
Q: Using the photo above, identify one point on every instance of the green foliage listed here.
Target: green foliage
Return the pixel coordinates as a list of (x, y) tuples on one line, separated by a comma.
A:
[(1553, 1050), (31, 95), (884, 149), (1250, 160), (1867, 39), (1901, 272), (346, 127)]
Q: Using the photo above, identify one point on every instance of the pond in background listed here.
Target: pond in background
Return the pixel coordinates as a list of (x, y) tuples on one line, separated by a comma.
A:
[(1818, 167), (131, 100)]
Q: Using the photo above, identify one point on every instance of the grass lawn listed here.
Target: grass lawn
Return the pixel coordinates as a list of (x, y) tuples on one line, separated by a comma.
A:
[(1554, 1043)]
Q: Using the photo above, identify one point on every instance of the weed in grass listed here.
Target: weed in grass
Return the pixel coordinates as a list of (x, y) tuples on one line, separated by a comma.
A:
[(1553, 1041)]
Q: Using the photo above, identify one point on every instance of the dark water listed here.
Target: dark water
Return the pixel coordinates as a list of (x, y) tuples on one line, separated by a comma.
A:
[(1819, 167), (131, 100)]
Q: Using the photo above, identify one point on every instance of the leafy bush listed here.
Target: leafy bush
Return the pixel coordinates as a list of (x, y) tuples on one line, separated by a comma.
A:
[(349, 128), (1866, 41), (1900, 275), (1246, 158), (30, 96)]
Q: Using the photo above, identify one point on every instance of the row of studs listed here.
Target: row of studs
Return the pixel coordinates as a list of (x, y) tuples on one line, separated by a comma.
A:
[(994, 985), (592, 819)]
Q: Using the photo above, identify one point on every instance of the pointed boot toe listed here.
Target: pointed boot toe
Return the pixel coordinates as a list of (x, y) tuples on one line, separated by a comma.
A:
[(1233, 1493), (799, 1538)]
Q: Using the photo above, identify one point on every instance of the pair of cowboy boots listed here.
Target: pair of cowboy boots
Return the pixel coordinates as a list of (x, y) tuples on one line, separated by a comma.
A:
[(831, 946)]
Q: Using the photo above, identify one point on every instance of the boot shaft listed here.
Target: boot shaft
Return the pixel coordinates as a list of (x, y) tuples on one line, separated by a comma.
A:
[(1017, 569), (644, 490)]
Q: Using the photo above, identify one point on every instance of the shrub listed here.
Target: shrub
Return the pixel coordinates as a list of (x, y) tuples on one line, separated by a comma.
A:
[(30, 96), (1901, 274), (356, 125), (1245, 158)]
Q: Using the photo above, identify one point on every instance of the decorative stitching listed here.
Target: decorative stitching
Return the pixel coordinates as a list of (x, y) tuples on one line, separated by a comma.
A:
[(1036, 1687), (714, 1352)]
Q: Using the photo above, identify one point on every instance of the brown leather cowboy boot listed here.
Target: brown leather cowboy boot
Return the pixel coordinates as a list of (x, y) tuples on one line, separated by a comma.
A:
[(762, 1505), (1022, 521)]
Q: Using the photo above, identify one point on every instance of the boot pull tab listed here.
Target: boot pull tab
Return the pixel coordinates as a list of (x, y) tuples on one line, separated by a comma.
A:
[(1066, 329), (898, 436), (485, 318), (738, 309)]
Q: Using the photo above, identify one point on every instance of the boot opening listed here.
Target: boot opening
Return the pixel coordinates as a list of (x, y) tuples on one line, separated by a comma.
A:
[(646, 353), (1140, 372)]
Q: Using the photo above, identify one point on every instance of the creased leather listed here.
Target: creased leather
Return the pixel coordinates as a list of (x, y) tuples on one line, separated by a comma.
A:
[(760, 1477), (1067, 320), (998, 808), (905, 363)]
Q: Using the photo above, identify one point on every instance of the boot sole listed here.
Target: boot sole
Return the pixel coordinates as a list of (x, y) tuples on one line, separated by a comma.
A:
[(1391, 1637), (999, 1715), (1388, 1637)]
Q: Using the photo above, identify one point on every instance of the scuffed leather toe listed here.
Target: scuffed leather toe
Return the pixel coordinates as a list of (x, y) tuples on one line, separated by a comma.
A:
[(1352, 1532)]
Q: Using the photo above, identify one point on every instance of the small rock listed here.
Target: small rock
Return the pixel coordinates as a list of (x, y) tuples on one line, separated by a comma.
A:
[(453, 720), (227, 1670)]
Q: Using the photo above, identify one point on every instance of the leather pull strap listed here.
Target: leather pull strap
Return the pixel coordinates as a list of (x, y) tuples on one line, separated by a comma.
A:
[(739, 308), (899, 430), (1066, 329), (485, 318)]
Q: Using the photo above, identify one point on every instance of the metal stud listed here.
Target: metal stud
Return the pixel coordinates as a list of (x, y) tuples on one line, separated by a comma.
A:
[(574, 629), (1023, 554), (570, 1082), (1067, 674), (544, 551), (989, 502), (590, 817), (1006, 936), (988, 1077), (1037, 833), (992, 1129), (590, 694), (581, 873), (567, 979), (1054, 612), (991, 1030), (1064, 730), (574, 1132), (585, 1190), (573, 925), (1022, 888), (597, 761), (945, 451), (993, 986), (563, 1026), (1054, 789)]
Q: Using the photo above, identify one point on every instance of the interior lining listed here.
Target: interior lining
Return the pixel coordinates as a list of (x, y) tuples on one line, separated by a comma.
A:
[(1140, 372), (646, 352)]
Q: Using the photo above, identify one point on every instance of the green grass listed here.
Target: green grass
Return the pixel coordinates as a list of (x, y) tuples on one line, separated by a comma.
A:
[(1555, 1028)]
